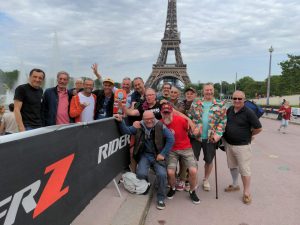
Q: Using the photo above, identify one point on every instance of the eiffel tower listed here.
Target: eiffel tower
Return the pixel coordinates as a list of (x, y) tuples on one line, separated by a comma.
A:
[(170, 42)]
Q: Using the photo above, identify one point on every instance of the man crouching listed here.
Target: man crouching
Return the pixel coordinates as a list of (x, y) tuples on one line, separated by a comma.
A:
[(153, 141)]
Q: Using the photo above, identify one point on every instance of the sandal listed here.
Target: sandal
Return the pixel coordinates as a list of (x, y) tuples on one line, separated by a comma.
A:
[(231, 188), (247, 199)]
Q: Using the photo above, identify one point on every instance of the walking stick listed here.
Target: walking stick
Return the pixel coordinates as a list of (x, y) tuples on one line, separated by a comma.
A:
[(216, 176)]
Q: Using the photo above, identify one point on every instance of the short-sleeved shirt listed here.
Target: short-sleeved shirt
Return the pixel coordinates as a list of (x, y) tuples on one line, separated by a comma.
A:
[(9, 122), (239, 125), (136, 97), (31, 99), (205, 119), (179, 127), (87, 113), (155, 109)]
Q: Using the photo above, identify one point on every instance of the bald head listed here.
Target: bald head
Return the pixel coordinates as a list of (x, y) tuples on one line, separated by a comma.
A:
[(148, 114), (240, 94), (238, 98), (148, 118)]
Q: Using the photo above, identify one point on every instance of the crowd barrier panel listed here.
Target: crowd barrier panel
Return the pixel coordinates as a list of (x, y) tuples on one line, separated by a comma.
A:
[(49, 175)]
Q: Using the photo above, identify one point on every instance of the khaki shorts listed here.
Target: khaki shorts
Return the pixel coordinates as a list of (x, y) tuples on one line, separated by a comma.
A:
[(239, 156), (187, 156)]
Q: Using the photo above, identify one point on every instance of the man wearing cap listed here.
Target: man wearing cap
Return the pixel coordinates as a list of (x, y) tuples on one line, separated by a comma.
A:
[(190, 94), (182, 183), (105, 100), (182, 149), (209, 115)]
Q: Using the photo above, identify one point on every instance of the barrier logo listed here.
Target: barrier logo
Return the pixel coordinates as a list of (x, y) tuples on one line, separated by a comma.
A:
[(52, 192)]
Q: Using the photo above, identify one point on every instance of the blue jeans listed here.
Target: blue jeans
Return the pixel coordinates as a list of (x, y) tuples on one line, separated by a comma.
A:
[(142, 171), (30, 128)]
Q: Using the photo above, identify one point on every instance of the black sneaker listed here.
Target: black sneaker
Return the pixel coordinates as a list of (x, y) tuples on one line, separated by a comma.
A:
[(194, 197), (171, 193), (160, 205)]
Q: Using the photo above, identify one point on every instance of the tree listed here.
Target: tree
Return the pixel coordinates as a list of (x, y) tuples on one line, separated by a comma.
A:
[(247, 85), (291, 75)]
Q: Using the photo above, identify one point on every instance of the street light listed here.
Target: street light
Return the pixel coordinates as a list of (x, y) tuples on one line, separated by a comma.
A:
[(271, 49)]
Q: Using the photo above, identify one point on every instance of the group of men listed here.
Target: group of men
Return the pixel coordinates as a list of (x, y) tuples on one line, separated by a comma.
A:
[(166, 132), (210, 122), (58, 105)]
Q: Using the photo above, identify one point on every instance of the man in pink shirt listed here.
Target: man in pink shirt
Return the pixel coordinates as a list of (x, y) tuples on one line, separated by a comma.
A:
[(56, 102)]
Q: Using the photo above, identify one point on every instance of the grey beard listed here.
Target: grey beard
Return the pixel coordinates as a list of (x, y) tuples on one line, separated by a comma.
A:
[(167, 121)]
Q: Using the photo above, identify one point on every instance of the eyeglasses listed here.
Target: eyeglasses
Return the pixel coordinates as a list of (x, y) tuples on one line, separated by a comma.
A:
[(240, 99), (148, 119)]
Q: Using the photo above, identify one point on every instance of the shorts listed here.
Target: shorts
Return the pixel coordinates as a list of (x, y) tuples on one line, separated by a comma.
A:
[(239, 156), (187, 157), (196, 146), (209, 151)]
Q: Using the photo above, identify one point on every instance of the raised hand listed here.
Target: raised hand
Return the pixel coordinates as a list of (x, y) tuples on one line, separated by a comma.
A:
[(95, 70)]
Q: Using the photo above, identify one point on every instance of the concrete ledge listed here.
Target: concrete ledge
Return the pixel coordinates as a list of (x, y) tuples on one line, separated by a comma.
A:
[(134, 209)]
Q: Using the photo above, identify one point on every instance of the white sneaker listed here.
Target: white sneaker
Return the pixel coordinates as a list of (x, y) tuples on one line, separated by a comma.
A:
[(206, 185)]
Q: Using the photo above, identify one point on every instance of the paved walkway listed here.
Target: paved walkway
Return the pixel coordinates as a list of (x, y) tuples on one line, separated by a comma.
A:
[(275, 190), (294, 119)]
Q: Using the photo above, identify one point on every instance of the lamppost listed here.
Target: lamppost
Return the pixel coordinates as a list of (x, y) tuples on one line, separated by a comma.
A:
[(221, 94), (271, 49)]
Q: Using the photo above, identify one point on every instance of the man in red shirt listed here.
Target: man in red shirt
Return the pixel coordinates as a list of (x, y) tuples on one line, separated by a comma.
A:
[(182, 149)]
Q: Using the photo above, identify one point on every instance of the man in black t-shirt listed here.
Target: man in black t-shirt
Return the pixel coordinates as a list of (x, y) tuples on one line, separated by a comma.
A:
[(150, 104), (242, 125), (27, 101), (137, 98)]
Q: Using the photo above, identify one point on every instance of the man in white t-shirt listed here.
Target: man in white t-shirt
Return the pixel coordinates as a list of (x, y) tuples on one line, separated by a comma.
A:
[(82, 107)]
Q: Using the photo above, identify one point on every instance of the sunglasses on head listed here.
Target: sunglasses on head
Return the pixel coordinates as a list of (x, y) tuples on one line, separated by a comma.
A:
[(240, 99)]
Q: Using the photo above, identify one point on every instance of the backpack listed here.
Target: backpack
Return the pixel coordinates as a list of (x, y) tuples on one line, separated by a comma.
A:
[(257, 109), (134, 185)]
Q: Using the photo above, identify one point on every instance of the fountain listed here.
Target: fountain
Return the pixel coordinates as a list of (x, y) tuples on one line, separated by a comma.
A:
[(55, 64), (50, 80)]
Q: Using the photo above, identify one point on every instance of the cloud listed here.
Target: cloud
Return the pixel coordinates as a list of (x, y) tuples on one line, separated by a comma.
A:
[(123, 36)]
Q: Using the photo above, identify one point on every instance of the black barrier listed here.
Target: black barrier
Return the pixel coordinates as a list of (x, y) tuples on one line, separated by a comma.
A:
[(49, 178)]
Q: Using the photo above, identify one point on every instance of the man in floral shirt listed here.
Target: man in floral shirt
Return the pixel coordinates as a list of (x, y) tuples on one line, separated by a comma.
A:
[(209, 115)]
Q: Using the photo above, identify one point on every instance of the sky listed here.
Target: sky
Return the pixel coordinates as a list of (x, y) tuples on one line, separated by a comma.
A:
[(219, 39)]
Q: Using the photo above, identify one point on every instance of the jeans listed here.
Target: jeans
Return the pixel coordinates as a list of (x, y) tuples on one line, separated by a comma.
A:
[(144, 164), (30, 128)]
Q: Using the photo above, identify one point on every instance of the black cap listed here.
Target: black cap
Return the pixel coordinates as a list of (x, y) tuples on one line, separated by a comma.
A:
[(190, 89)]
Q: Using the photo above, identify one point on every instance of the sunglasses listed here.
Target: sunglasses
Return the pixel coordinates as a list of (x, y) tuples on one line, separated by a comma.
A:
[(240, 99)]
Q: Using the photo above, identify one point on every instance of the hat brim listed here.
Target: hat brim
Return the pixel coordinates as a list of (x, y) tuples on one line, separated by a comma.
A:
[(189, 89), (108, 82)]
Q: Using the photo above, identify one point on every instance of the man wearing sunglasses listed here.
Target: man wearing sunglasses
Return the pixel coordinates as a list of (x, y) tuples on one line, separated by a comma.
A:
[(242, 125)]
